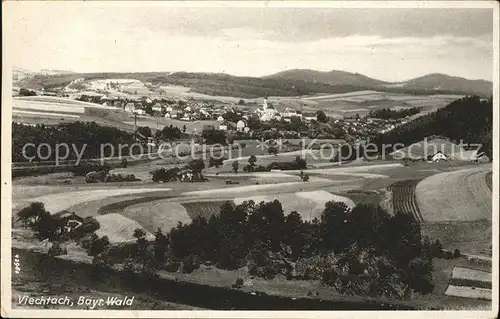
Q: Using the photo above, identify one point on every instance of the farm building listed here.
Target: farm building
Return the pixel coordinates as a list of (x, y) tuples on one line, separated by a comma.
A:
[(427, 149), (71, 221)]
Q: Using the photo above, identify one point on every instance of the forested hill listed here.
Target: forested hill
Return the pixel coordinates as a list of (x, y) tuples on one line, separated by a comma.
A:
[(238, 86), (469, 119)]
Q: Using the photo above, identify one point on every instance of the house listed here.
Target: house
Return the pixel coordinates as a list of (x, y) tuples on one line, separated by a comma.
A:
[(70, 221), (240, 126), (289, 113), (158, 108), (169, 109), (438, 157), (220, 119), (167, 115), (139, 111), (130, 107), (268, 114)]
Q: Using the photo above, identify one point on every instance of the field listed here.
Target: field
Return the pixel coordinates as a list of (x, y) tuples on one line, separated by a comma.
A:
[(157, 214), (62, 201), (468, 292), (362, 102), (205, 209), (118, 228), (456, 195), (472, 237), (404, 200), (471, 274)]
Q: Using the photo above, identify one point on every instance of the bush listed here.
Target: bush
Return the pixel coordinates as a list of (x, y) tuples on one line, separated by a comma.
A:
[(456, 253), (83, 169), (447, 255), (95, 177), (166, 175), (299, 163), (238, 283), (172, 266), (190, 264), (112, 178)]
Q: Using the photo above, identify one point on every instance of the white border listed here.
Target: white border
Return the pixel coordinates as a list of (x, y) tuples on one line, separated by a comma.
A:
[(7, 311)]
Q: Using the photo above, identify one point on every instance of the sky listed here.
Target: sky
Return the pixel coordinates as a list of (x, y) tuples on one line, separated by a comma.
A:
[(387, 44)]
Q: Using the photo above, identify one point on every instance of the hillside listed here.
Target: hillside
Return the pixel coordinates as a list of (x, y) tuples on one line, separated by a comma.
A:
[(333, 77), (469, 119), (242, 87), (450, 83)]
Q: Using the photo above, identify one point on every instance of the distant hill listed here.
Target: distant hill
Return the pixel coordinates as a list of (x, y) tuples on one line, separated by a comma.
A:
[(287, 83), (469, 119), (333, 77), (437, 81)]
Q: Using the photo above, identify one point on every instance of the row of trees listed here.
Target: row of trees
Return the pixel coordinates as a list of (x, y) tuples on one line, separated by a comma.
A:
[(76, 135)]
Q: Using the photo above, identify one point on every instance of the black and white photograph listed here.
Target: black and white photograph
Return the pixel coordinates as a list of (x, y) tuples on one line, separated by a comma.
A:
[(250, 159)]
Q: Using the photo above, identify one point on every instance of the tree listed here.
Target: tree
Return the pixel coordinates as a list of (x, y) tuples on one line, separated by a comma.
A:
[(252, 160), (217, 162), (272, 150), (241, 102), (171, 133), (141, 242), (184, 128), (437, 249), (334, 236), (321, 116), (300, 162), (235, 166), (30, 215), (213, 136), (160, 246), (26, 92), (98, 245), (304, 176), (145, 131)]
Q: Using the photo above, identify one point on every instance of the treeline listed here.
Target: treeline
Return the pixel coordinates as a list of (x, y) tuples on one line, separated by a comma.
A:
[(388, 114), (359, 251), (74, 135), (363, 251), (469, 119)]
